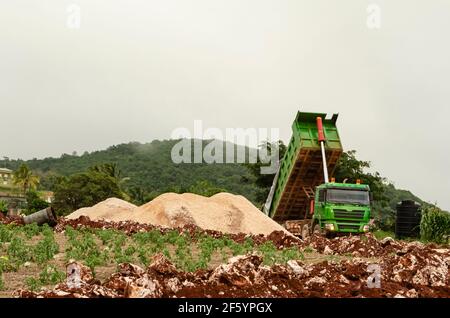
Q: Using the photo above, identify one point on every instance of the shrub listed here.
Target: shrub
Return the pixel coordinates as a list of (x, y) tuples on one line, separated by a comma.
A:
[(3, 206), (49, 275), (435, 225)]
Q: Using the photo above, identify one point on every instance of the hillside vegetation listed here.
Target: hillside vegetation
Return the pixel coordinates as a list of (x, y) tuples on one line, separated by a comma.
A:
[(146, 170)]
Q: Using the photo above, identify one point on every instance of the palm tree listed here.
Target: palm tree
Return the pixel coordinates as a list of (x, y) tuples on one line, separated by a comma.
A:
[(25, 178), (112, 170)]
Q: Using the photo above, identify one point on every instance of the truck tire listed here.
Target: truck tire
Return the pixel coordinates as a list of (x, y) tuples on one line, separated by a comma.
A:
[(305, 231), (318, 230)]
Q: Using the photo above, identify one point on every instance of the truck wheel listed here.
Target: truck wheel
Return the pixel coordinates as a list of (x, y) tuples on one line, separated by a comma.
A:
[(318, 230), (305, 231)]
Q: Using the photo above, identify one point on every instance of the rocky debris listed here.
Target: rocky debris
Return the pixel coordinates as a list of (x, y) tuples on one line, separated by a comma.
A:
[(402, 269), (420, 268), (78, 274), (162, 265), (16, 219), (366, 246), (239, 271), (327, 250), (387, 241), (279, 238), (246, 276), (297, 269)]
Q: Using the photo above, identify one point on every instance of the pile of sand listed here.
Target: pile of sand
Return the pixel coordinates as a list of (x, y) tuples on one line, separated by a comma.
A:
[(105, 210), (224, 212)]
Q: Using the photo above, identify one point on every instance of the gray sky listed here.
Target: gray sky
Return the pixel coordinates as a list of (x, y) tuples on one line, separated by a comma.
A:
[(136, 70)]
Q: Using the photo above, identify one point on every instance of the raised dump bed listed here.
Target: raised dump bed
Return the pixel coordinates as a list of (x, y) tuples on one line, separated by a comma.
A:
[(301, 169)]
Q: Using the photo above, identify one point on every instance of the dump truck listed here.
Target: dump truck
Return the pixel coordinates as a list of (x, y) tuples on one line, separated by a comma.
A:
[(302, 198)]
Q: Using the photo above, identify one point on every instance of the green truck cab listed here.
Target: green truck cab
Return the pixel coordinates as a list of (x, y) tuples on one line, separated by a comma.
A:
[(341, 208)]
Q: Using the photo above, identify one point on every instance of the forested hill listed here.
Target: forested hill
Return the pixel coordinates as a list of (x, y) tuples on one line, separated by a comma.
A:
[(147, 170)]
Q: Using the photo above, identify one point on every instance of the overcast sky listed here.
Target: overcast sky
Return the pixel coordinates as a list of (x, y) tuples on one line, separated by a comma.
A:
[(136, 70)]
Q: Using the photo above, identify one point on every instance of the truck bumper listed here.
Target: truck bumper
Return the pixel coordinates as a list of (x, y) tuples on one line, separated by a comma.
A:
[(346, 227)]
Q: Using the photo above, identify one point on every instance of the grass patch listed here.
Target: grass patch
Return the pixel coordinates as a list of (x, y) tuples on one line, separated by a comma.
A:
[(380, 234)]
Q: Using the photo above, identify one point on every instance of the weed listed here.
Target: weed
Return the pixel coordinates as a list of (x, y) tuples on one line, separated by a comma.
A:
[(6, 265), (32, 283), (268, 251), (19, 251), (289, 254), (82, 246), (49, 275), (7, 232), (46, 248), (31, 230)]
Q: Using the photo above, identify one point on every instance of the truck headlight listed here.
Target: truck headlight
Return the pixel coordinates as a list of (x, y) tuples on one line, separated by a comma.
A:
[(329, 227), (366, 228)]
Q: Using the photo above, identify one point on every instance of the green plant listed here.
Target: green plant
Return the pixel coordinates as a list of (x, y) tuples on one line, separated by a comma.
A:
[(25, 178), (82, 246), (19, 251), (6, 265), (46, 248), (49, 275), (106, 236), (3, 206), (268, 251), (7, 232), (31, 230), (2, 284), (34, 202), (32, 283), (289, 254), (435, 225)]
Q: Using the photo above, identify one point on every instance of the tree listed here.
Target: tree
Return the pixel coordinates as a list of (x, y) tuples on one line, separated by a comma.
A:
[(34, 202), (84, 189), (110, 169), (137, 195), (264, 181), (351, 169), (205, 188), (25, 178)]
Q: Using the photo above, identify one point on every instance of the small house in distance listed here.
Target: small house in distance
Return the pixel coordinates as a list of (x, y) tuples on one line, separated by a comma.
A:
[(6, 177)]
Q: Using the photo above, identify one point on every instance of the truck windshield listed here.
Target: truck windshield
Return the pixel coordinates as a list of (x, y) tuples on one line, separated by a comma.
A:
[(348, 196)]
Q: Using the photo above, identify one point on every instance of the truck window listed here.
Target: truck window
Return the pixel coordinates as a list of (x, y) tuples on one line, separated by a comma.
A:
[(322, 195), (348, 196)]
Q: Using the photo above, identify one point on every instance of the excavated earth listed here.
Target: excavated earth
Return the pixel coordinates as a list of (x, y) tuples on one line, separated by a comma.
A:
[(371, 268)]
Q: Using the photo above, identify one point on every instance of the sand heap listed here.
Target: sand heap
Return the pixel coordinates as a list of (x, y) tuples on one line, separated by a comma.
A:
[(222, 212), (105, 210)]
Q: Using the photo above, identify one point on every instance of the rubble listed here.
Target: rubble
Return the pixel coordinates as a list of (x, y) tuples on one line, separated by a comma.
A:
[(404, 269), (245, 276)]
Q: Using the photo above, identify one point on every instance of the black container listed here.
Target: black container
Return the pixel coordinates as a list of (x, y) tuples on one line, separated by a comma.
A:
[(407, 221)]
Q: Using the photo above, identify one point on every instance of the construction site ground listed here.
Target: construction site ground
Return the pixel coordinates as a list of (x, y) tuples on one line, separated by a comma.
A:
[(85, 258)]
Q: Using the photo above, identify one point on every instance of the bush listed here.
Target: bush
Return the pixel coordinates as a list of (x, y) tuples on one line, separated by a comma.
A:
[(34, 203), (3, 206), (435, 225)]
